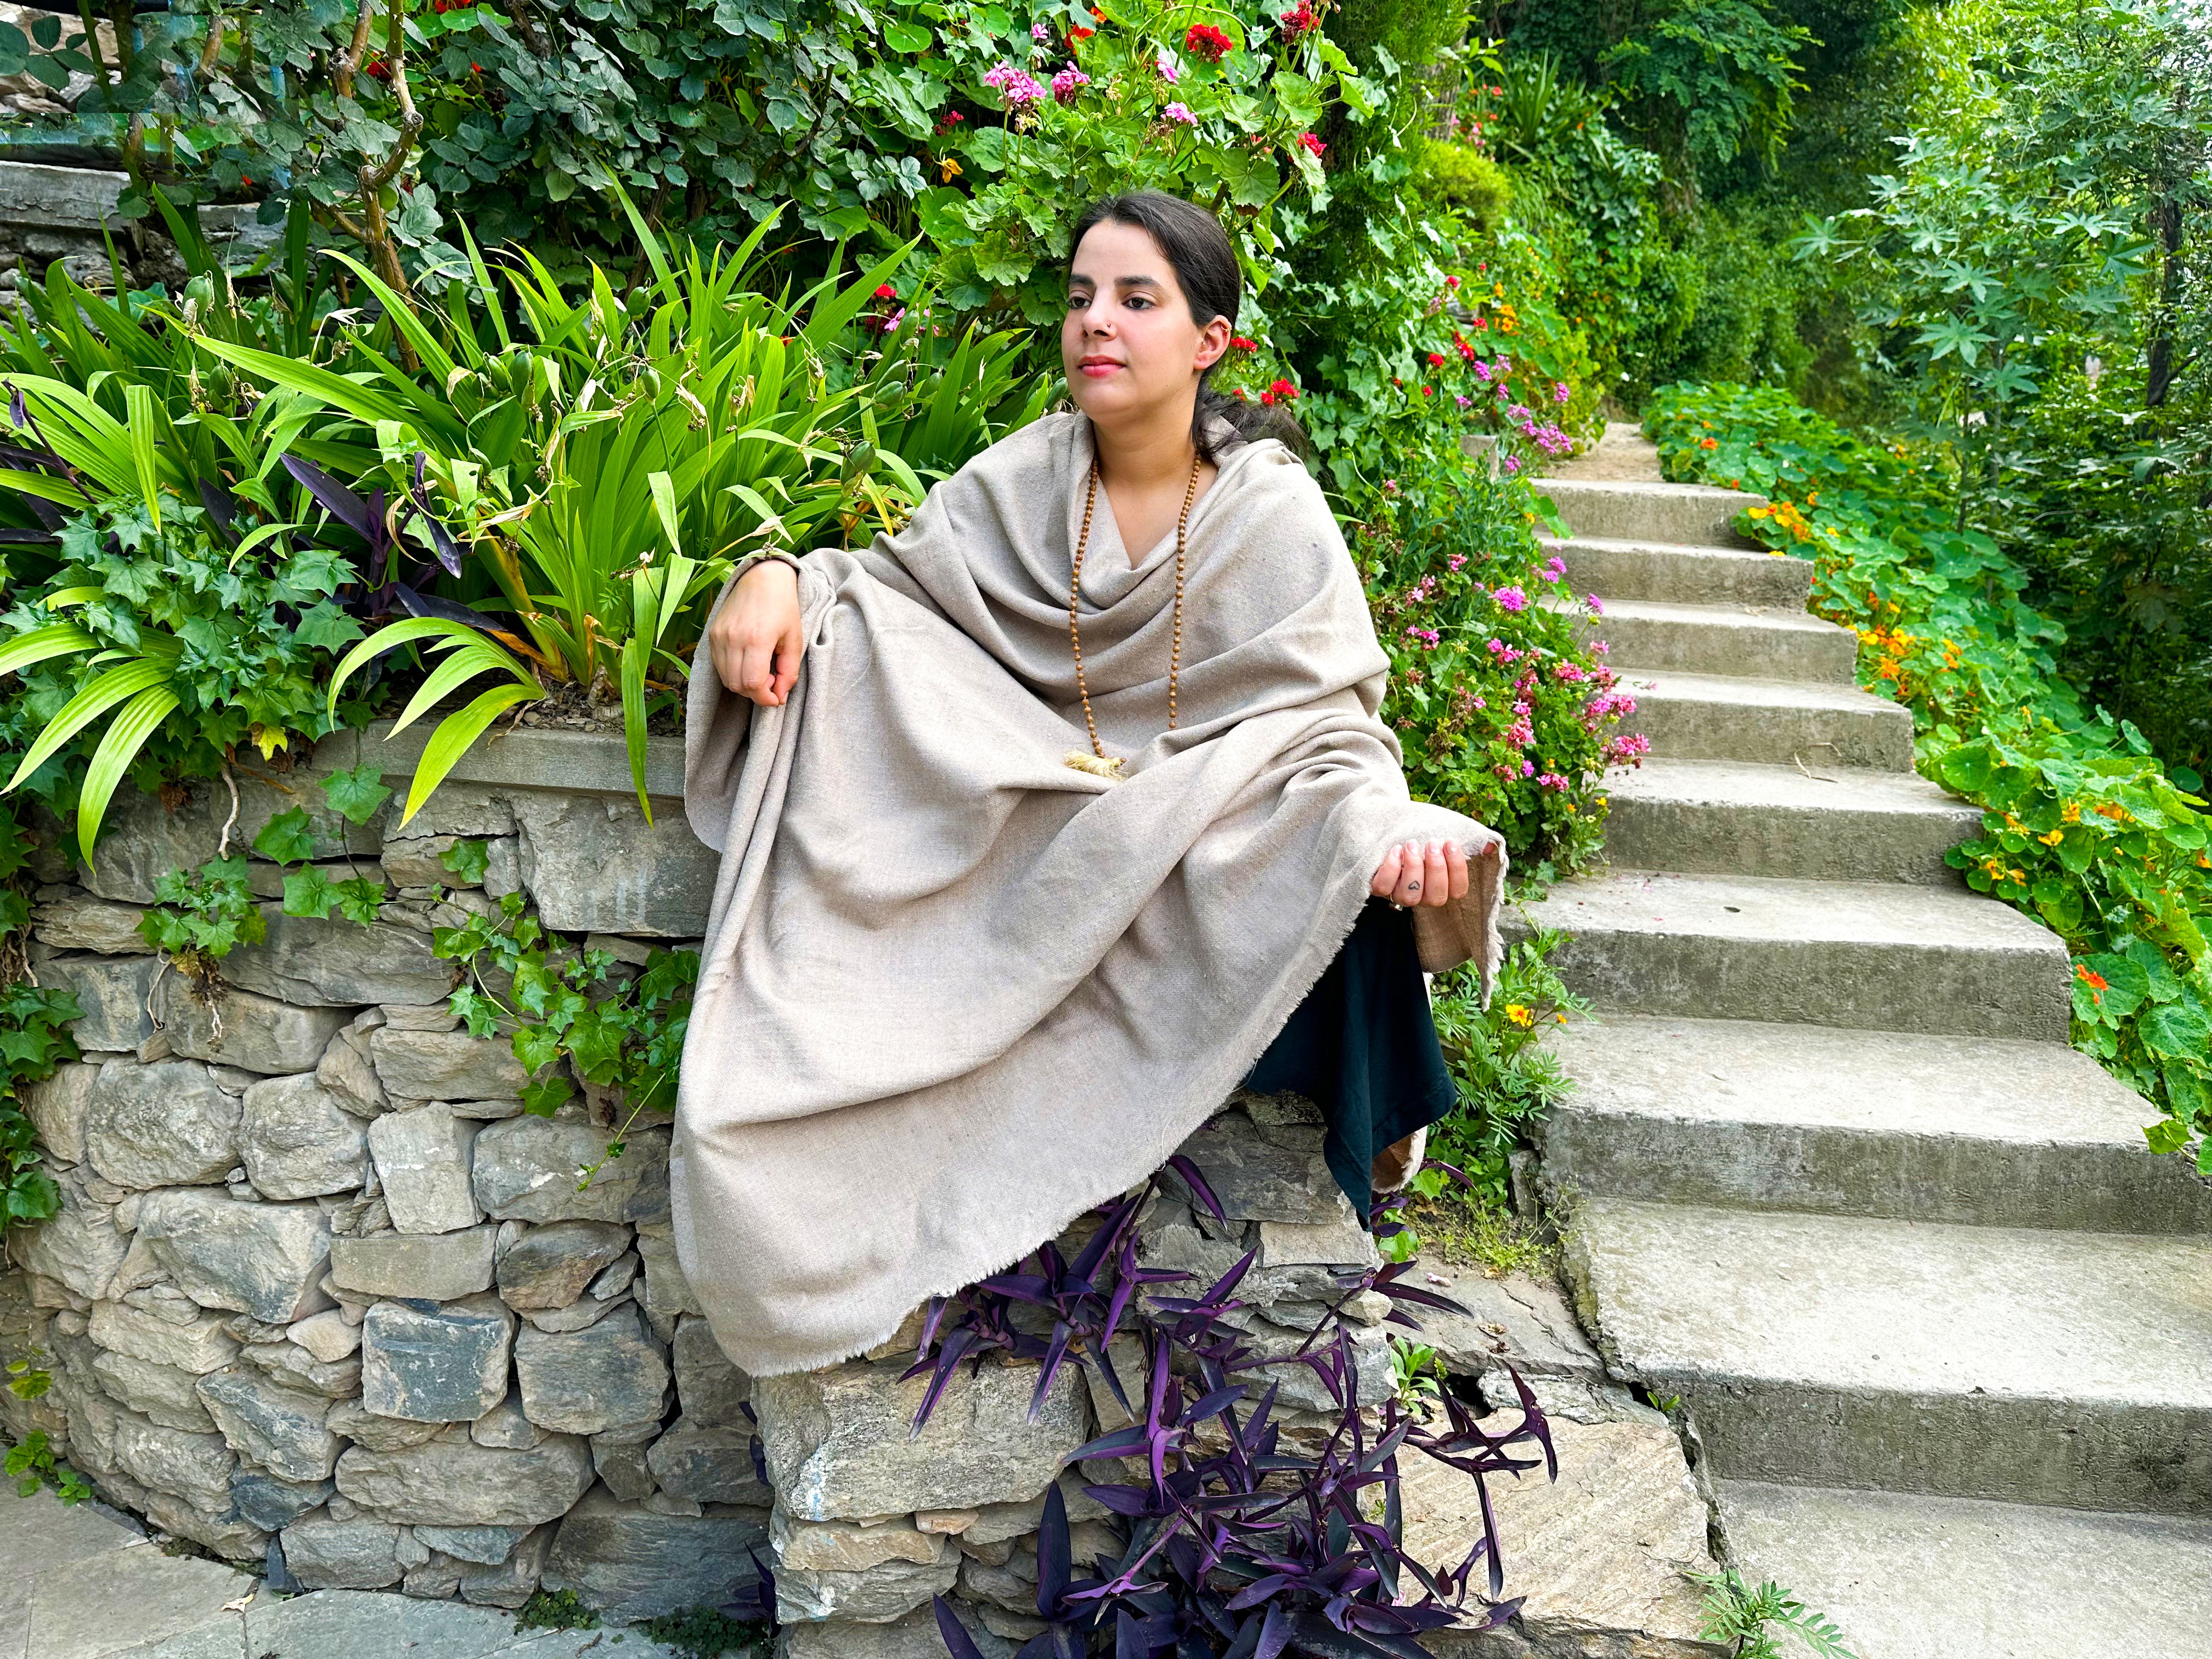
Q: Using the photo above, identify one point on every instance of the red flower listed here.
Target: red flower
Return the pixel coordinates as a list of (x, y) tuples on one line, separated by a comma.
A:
[(1238, 343), (1312, 143), (1451, 281), (1481, 323), (1282, 389), (1436, 360), (1080, 33), (1208, 42), (887, 292), (1300, 20), (1428, 391), (1395, 381)]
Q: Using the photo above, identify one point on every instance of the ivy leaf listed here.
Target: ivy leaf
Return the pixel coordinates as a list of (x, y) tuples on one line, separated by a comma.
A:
[(466, 861), (287, 838), (543, 1099), (360, 900), (308, 892), (358, 793), (475, 1009), (536, 1047)]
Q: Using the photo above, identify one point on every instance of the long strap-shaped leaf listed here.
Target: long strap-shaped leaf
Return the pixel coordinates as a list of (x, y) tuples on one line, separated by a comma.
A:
[(41, 644), (113, 758), (88, 706), (454, 734)]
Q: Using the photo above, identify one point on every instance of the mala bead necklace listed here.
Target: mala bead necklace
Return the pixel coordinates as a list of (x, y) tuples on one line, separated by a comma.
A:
[(1097, 762)]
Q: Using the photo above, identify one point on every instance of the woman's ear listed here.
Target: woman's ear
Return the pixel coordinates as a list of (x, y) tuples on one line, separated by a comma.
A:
[(1212, 344)]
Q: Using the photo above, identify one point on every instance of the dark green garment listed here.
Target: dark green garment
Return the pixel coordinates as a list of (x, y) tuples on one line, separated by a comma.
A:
[(1362, 1047)]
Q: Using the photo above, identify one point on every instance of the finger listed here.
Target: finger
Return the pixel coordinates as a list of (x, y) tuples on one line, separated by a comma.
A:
[(787, 651), (1456, 863), (1385, 875), (1435, 876), (1409, 875), (756, 675)]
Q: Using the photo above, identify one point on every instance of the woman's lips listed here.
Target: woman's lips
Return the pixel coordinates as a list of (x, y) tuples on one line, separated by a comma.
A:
[(1097, 371)]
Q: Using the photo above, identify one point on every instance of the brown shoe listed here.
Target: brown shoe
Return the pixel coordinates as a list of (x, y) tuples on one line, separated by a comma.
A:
[(1393, 1166)]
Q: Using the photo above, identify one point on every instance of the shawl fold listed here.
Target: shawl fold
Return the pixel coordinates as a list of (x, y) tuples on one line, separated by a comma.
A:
[(954, 991)]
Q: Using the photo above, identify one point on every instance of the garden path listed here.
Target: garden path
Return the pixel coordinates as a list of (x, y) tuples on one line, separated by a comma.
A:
[(76, 1583), (1939, 1325)]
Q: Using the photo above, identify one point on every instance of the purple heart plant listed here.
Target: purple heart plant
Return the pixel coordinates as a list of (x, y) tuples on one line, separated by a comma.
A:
[(1240, 1544)]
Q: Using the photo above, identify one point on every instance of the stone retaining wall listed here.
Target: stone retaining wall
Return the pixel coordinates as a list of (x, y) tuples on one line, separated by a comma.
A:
[(321, 1295)]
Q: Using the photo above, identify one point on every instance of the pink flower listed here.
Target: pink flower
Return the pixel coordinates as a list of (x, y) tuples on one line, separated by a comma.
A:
[(1567, 671), (1179, 112), (1510, 598), (1550, 781), (1013, 85), (1455, 561), (1312, 143), (1462, 401), (1597, 604), (1482, 372), (1512, 463), (1065, 83), (1527, 768), (1040, 31), (1555, 569), (1559, 393), (1170, 71)]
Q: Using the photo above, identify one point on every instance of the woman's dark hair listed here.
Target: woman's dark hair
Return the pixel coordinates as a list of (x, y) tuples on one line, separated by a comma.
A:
[(1195, 246)]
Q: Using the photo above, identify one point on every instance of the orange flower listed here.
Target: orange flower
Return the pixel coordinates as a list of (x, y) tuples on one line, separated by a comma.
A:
[(2094, 980)]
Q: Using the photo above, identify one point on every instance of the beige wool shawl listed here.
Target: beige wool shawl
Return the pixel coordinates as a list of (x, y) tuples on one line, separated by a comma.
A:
[(955, 992)]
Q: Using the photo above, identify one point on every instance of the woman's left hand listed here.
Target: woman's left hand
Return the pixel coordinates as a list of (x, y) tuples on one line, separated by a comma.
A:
[(1422, 873)]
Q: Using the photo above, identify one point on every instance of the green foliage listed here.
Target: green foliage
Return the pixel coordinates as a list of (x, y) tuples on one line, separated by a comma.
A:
[(1735, 1612), (1503, 712), (556, 1610), (31, 1463), (616, 1028), (35, 1039), (2082, 826), (1416, 1377), (1467, 180), (704, 1632), (199, 917), (1720, 74), (1507, 1079)]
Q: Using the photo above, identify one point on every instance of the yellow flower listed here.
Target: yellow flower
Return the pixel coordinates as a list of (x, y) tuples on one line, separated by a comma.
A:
[(2070, 812), (1520, 1014), (951, 170), (2054, 837), (1559, 1019)]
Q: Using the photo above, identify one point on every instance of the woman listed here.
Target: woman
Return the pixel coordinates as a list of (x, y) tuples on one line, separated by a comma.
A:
[(1043, 820)]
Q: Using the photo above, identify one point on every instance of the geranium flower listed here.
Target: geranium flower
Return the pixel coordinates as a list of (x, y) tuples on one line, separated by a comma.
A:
[(1312, 143), (1510, 599), (1299, 21), (1179, 112), (1238, 343), (1208, 42), (1559, 393), (1015, 86), (1436, 360), (1170, 71), (1065, 83), (1284, 390), (1040, 30), (887, 292)]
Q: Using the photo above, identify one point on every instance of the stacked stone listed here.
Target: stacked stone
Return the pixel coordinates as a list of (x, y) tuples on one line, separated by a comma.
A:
[(869, 1525), (319, 1294)]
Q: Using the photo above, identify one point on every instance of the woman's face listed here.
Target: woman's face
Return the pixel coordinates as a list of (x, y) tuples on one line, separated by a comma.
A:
[(1131, 351)]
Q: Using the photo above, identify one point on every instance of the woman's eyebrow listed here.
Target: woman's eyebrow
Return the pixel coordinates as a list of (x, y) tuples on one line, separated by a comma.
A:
[(1124, 282)]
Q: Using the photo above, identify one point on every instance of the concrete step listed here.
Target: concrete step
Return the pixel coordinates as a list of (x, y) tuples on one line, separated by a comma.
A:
[(1693, 515), (1972, 1130), (1826, 823), (1777, 722), (2023, 1364), (1908, 1577), (1686, 575), (1875, 956), (1761, 642)]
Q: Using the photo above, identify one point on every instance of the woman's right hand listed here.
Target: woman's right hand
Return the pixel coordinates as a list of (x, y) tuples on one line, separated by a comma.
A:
[(755, 641)]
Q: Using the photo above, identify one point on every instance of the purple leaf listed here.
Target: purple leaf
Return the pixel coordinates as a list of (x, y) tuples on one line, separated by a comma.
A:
[(1052, 1552), (1196, 1182), (957, 1642), (340, 502)]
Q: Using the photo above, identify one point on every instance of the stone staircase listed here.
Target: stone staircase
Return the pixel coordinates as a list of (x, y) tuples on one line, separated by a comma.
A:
[(1940, 1326)]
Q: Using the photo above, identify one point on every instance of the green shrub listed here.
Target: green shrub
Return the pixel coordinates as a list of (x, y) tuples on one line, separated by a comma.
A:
[(1467, 180), (2082, 827)]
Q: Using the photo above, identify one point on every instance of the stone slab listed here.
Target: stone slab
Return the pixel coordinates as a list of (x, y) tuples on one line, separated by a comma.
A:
[(1919, 1578), (1696, 515), (1723, 637), (631, 1563), (1829, 823), (1995, 1131), (1639, 569), (2013, 1364), (1870, 956), (1778, 722), (1601, 1552), (117, 1601)]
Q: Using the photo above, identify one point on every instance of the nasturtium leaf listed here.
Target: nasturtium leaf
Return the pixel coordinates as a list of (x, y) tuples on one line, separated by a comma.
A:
[(2179, 1030)]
